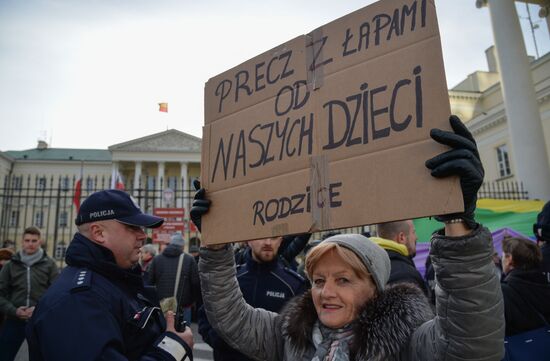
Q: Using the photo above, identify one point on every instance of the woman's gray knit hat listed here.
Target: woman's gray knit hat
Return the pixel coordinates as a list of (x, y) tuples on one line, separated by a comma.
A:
[(374, 257)]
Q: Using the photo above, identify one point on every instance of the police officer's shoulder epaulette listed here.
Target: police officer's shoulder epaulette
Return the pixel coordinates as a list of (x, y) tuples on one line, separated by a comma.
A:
[(82, 280), (295, 274)]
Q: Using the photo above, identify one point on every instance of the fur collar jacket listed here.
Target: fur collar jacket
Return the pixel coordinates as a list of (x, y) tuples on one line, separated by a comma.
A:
[(381, 332), (397, 325)]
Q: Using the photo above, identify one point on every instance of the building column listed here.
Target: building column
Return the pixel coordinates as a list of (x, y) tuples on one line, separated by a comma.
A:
[(522, 111), (182, 201), (137, 177), (114, 171), (544, 13), (160, 179)]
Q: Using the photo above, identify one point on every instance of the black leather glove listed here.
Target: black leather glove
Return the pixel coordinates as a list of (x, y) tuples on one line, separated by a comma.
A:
[(201, 205), (463, 161)]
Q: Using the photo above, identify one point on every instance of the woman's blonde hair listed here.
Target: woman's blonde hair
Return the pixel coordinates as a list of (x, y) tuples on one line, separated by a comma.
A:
[(348, 256)]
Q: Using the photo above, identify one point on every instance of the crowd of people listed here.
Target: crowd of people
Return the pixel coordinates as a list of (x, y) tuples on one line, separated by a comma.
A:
[(342, 297)]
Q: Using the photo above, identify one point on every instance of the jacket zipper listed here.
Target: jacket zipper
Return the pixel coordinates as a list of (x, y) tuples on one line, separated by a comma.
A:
[(28, 286)]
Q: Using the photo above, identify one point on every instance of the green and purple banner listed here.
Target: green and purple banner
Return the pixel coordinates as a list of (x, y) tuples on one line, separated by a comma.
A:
[(502, 217)]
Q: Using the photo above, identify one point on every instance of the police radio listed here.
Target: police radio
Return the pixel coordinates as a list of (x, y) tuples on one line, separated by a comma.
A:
[(179, 321)]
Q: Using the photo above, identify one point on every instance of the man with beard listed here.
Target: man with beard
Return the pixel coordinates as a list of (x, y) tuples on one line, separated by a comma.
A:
[(399, 240), (264, 282)]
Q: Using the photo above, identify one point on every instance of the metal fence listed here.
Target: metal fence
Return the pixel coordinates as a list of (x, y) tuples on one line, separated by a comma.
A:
[(47, 202), (503, 190)]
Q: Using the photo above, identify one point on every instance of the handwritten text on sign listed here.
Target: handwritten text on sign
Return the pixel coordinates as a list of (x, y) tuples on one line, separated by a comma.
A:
[(291, 135)]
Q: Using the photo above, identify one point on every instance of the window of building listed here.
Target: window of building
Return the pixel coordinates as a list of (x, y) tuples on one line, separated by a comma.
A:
[(90, 184), (41, 184), (39, 219), (63, 219), (14, 219), (503, 161), (150, 182), (18, 183), (173, 183), (65, 184), (59, 252)]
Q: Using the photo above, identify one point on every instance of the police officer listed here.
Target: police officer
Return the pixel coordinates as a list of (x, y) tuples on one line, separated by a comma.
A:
[(98, 309), (265, 283)]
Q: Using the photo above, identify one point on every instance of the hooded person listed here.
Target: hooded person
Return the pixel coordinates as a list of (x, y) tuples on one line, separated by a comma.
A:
[(163, 274)]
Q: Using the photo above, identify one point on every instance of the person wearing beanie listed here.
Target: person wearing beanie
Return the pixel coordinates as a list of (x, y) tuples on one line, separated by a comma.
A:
[(163, 274), (351, 313), (23, 280), (98, 308)]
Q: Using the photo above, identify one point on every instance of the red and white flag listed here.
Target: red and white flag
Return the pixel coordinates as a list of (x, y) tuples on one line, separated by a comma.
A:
[(77, 194), (78, 189), (119, 183), (163, 107)]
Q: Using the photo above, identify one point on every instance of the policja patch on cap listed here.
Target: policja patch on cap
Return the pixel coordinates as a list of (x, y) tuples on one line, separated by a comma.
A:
[(115, 204)]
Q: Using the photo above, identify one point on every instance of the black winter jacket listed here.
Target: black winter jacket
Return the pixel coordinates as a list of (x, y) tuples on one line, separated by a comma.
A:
[(545, 249), (404, 270), (525, 293), (96, 310), (162, 275)]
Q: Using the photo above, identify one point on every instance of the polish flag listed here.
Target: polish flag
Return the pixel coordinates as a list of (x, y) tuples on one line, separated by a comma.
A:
[(119, 183), (163, 107), (77, 193)]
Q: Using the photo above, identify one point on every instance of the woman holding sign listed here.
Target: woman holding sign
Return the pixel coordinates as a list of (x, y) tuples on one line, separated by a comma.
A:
[(351, 314)]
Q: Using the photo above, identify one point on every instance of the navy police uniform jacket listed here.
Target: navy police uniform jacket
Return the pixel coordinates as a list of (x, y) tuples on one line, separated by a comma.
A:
[(98, 311), (264, 285)]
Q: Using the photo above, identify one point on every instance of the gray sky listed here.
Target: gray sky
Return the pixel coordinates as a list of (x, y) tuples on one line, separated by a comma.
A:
[(89, 73)]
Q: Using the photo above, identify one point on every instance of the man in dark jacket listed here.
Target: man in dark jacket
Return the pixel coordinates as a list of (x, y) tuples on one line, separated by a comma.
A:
[(23, 281), (163, 273), (525, 289), (98, 308), (399, 240), (265, 283)]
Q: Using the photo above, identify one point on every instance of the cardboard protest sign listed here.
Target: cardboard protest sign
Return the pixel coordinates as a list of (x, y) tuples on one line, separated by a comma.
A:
[(329, 130)]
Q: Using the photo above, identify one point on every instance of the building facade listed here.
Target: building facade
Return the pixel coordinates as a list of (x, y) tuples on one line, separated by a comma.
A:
[(478, 101), (526, 133), (41, 187)]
